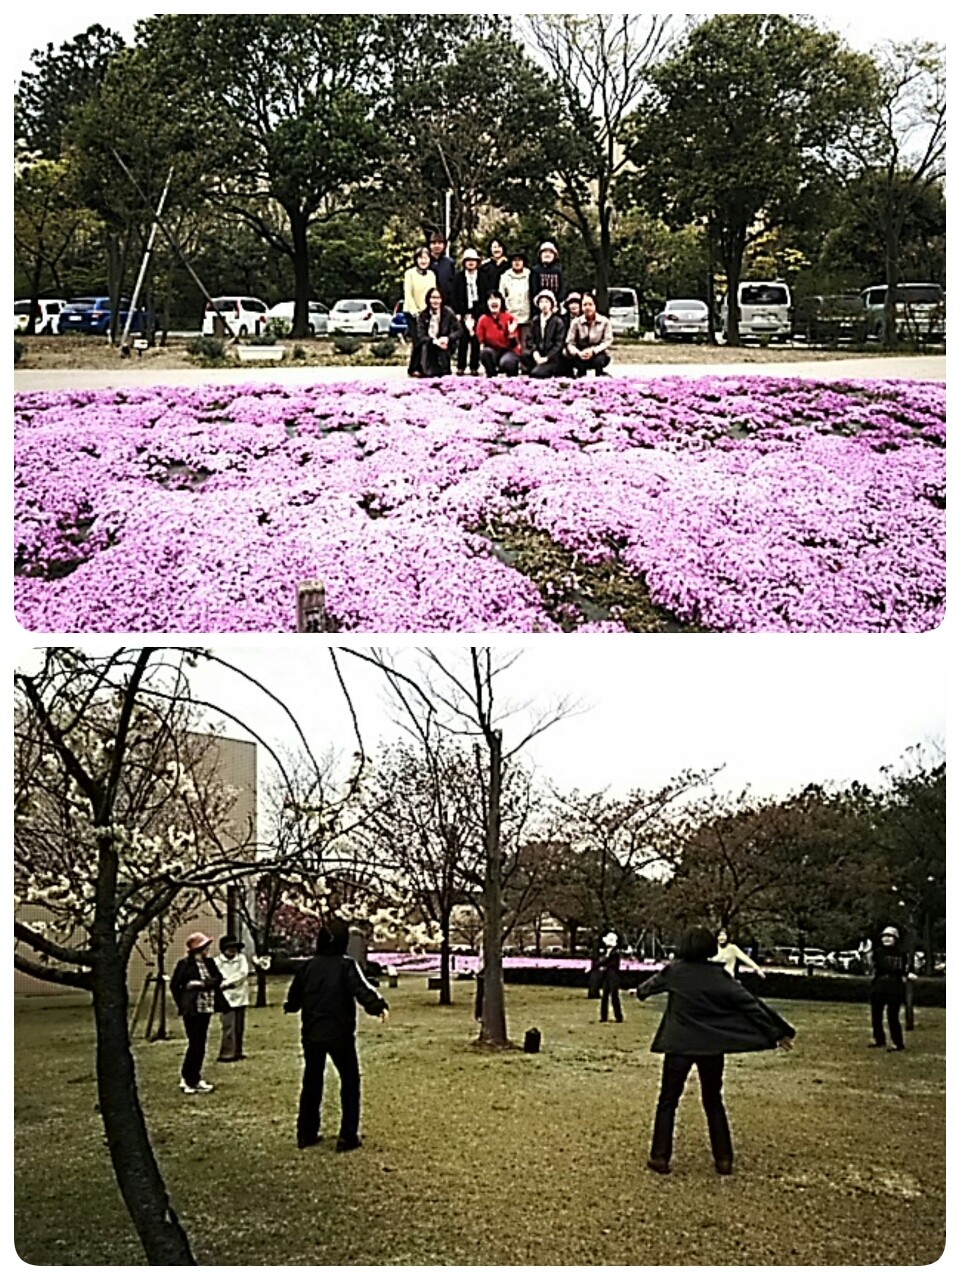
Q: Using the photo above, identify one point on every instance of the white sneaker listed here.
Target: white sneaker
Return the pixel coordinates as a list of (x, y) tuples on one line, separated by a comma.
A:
[(203, 1087), (187, 1088)]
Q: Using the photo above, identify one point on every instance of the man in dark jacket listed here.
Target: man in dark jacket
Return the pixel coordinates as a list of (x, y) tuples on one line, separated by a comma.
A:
[(891, 973), (709, 1014), (609, 966), (442, 265), (325, 992)]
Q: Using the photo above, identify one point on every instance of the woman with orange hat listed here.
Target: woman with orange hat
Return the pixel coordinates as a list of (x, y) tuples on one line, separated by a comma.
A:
[(195, 986)]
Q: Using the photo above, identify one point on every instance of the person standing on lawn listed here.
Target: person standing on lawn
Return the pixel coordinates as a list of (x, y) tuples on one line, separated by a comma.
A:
[(497, 333), (469, 304), (417, 283), (708, 1015), (195, 987), (438, 332), (326, 992), (730, 955), (888, 990), (235, 973), (609, 967)]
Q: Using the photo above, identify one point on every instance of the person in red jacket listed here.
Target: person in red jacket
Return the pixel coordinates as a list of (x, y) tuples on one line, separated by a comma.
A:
[(499, 336)]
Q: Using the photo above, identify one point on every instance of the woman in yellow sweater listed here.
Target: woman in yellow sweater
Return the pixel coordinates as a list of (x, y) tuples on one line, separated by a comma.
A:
[(417, 283)]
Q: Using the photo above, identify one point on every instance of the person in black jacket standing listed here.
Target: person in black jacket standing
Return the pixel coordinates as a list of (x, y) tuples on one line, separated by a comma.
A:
[(442, 265), (326, 992), (469, 304), (888, 990), (196, 987), (609, 966), (709, 1014)]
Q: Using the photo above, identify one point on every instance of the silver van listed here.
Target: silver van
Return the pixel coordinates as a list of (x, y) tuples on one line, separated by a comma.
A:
[(624, 309), (765, 308), (920, 310)]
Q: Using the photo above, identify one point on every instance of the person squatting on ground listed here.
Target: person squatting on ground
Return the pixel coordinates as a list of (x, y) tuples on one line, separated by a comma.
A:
[(326, 992), (195, 987), (888, 990), (544, 348), (609, 967), (570, 311), (438, 332), (589, 340), (469, 303), (235, 973), (499, 338), (708, 1015), (730, 955), (417, 283)]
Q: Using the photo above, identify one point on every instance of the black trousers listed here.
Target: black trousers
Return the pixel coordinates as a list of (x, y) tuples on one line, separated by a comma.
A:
[(196, 1026), (579, 367), (891, 1003), (676, 1068), (469, 347), (495, 361), (610, 995), (343, 1054), (549, 369)]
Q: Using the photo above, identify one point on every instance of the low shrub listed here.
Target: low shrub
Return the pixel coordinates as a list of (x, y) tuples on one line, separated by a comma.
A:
[(19, 350), (213, 350), (267, 338), (344, 345), (384, 350), (299, 353)]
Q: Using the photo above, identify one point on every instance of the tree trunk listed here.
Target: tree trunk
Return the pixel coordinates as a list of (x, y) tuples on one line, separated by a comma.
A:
[(604, 262), (493, 1024), (445, 994), (890, 336), (301, 274), (138, 1175), (261, 988)]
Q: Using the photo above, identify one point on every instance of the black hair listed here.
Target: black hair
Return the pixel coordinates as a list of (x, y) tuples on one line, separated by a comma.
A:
[(421, 248), (495, 293), (332, 938), (430, 293), (697, 943)]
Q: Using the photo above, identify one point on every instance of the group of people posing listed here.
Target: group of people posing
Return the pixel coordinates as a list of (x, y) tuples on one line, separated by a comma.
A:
[(500, 315)]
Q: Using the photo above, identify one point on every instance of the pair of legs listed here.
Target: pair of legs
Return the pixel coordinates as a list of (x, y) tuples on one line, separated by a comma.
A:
[(676, 1068), (578, 368), (879, 1003), (495, 362), (231, 1037), (469, 348), (549, 369), (196, 1026), (610, 994), (343, 1055), (413, 366)]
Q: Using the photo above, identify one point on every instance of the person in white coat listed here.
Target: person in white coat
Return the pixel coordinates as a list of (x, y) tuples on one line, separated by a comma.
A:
[(730, 955), (235, 971)]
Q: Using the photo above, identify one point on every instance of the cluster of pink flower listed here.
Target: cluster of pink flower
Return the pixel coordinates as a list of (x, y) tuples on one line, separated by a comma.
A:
[(743, 504)]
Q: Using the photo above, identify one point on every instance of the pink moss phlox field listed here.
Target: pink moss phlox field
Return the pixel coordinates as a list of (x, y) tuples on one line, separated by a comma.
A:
[(744, 504)]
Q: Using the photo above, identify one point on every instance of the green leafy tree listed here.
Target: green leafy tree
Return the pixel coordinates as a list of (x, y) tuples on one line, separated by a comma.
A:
[(47, 221), (61, 81)]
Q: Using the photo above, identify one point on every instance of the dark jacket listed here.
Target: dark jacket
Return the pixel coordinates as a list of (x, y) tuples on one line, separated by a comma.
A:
[(326, 992), (190, 969), (547, 339), (449, 326), (490, 274), (445, 269), (459, 303), (710, 1012), (890, 968), (609, 966), (542, 277)]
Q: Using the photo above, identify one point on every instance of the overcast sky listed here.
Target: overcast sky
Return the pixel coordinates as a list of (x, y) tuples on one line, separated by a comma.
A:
[(55, 24), (778, 712)]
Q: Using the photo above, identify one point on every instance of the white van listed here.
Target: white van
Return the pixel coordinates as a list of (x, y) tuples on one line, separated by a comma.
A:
[(920, 311), (765, 308), (624, 309)]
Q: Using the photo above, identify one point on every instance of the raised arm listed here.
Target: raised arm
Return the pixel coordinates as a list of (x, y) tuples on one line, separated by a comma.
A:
[(654, 986), (746, 961)]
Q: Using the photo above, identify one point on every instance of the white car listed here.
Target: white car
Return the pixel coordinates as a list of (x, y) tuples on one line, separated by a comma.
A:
[(623, 307), (245, 317), (366, 316), (814, 956), (317, 315), (683, 318), (48, 319)]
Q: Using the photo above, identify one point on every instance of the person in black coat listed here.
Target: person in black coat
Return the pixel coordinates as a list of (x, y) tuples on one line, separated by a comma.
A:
[(195, 986), (469, 303), (326, 992), (888, 990), (491, 271), (545, 340), (438, 332), (709, 1014), (442, 265), (547, 274), (609, 967)]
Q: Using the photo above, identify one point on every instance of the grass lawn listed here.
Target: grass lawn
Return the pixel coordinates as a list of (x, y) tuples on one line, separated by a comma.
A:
[(476, 1159)]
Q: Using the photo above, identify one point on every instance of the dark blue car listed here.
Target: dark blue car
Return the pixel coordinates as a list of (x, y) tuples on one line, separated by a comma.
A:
[(92, 315)]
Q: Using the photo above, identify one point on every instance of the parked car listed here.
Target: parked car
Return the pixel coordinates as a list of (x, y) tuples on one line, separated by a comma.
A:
[(684, 319), (48, 314), (764, 309), (830, 319), (92, 315), (317, 315), (811, 956), (398, 324), (848, 961), (623, 308), (245, 316), (920, 309), (366, 316)]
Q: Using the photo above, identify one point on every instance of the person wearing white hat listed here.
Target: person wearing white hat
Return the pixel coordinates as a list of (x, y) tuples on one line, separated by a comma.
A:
[(545, 339), (891, 972), (195, 986), (609, 966), (469, 304), (548, 273)]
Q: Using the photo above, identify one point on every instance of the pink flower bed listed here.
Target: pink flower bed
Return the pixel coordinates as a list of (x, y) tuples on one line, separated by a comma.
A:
[(744, 504)]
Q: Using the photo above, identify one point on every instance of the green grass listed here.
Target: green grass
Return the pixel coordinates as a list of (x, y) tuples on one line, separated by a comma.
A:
[(473, 1158)]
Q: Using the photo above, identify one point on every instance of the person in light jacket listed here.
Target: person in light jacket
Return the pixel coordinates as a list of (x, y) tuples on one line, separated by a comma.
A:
[(708, 1015), (515, 287), (544, 352), (195, 986), (438, 332), (417, 283), (235, 972), (326, 992), (589, 340), (730, 956)]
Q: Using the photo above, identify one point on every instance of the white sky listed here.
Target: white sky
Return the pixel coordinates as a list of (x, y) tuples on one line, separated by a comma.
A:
[(55, 24), (778, 712)]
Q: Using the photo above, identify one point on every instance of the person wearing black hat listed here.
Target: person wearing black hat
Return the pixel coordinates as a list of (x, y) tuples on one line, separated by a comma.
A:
[(326, 992), (709, 1014), (235, 972), (888, 990)]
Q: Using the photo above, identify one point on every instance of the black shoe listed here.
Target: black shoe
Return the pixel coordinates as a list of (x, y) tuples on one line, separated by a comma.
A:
[(657, 1165), (877, 1044), (308, 1142), (349, 1144), (724, 1167)]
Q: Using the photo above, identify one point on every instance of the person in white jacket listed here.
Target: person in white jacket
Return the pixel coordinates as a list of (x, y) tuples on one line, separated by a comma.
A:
[(515, 287), (235, 971), (730, 955)]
